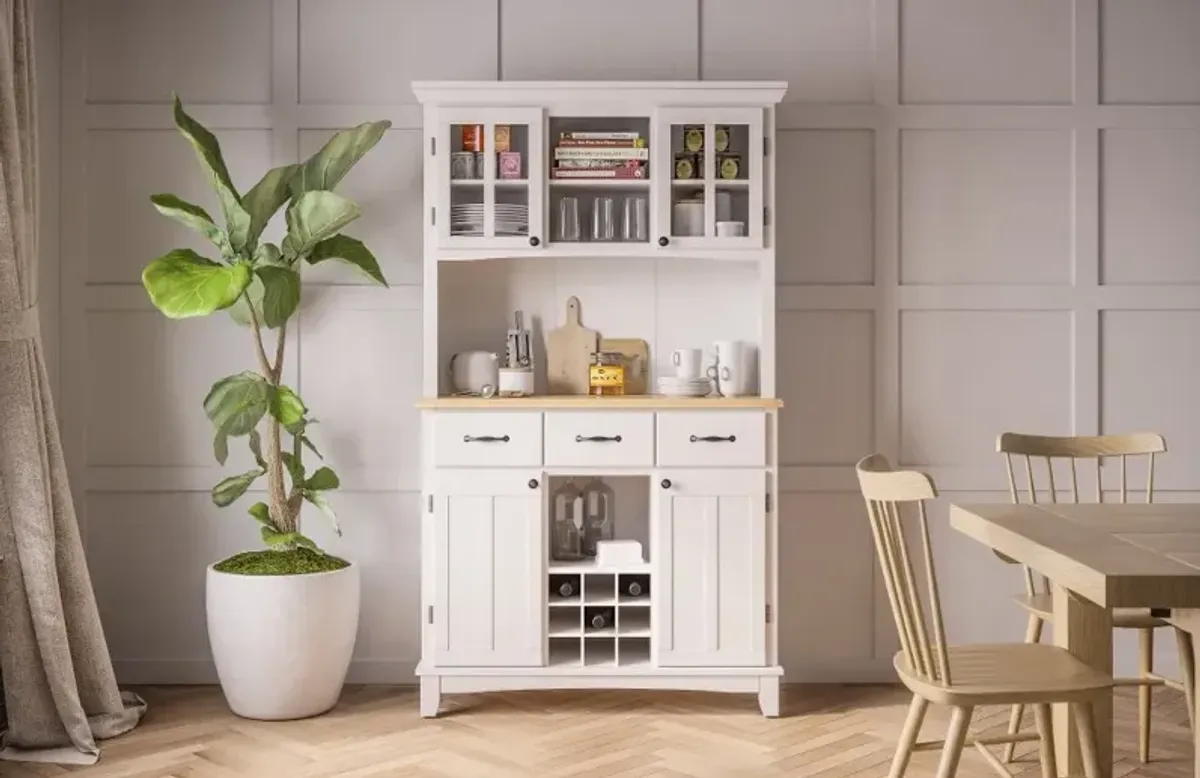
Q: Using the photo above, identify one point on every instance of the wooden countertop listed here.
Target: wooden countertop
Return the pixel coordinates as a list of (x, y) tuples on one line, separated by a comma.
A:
[(627, 402)]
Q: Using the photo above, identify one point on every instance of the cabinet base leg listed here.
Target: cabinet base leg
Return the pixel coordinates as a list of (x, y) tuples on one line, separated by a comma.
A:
[(768, 696), (431, 696)]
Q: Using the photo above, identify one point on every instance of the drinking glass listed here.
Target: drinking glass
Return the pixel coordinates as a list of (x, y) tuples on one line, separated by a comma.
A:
[(568, 219), (634, 226), (603, 219)]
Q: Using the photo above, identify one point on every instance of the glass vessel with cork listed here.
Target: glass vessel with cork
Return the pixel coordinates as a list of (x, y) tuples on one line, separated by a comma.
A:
[(606, 375)]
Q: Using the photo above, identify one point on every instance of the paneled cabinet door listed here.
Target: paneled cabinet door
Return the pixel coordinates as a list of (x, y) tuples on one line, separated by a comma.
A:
[(709, 543), (489, 176), (712, 193), (489, 559)]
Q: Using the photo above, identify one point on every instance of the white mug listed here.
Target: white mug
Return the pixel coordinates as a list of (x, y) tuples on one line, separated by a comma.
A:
[(686, 362), (732, 369)]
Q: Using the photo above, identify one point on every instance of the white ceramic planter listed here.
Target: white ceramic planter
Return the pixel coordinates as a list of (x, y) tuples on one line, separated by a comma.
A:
[(282, 643)]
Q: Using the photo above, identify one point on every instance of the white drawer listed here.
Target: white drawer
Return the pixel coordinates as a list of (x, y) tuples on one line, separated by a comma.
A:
[(600, 439), (712, 438), (487, 439)]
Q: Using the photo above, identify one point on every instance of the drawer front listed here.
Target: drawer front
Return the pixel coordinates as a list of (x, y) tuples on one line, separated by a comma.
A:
[(487, 439), (722, 438), (600, 439)]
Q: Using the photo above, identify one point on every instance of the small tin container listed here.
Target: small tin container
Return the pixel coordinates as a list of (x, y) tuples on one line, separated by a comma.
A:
[(721, 139), (462, 165), (472, 137), (687, 166), (503, 138), (729, 166), (693, 138)]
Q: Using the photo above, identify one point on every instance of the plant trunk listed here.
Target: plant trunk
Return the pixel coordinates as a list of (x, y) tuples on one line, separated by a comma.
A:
[(276, 488)]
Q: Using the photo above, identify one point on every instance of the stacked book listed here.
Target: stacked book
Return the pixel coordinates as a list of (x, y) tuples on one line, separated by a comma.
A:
[(600, 155)]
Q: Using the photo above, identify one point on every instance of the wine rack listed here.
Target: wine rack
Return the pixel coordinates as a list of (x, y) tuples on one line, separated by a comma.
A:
[(599, 618)]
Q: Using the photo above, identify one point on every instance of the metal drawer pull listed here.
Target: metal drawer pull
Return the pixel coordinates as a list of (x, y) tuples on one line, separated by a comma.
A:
[(485, 439), (713, 439), (597, 439)]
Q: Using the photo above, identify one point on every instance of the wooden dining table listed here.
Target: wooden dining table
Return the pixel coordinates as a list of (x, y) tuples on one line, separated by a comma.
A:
[(1098, 557)]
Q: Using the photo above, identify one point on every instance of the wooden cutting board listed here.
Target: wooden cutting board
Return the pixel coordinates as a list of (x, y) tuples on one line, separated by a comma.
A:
[(637, 361), (569, 350)]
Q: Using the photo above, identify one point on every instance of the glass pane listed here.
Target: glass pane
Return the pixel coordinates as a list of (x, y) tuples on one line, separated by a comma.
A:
[(511, 197), (709, 160), (466, 180), (478, 189)]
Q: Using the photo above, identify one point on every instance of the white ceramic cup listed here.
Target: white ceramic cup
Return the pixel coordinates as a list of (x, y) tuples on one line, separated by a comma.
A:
[(731, 372), (686, 362), (731, 229), (515, 382)]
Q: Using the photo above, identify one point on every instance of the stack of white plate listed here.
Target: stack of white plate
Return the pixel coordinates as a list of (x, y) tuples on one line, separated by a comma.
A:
[(467, 219), (672, 386)]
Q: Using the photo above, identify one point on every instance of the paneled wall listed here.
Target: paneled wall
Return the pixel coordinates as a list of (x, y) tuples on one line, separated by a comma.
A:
[(988, 221)]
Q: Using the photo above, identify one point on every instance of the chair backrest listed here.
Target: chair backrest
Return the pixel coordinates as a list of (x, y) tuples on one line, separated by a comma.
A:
[(1040, 452), (1045, 450), (887, 493)]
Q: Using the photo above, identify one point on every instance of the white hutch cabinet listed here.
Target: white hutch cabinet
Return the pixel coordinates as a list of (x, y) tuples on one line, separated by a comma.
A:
[(511, 225)]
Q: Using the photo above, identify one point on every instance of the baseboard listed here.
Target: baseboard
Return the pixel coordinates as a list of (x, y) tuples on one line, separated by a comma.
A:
[(188, 672), (841, 671)]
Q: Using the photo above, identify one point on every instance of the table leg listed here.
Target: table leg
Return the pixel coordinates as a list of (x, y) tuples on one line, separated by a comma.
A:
[(1188, 619), (1085, 629)]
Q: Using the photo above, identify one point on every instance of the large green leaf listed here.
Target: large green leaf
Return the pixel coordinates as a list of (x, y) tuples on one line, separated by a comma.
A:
[(192, 216), (183, 284), (234, 487), (314, 217), (256, 448), (236, 403), (328, 166), (208, 151), (318, 499), (221, 446), (322, 480), (268, 196), (262, 514), (287, 408), (265, 254), (281, 293), (349, 250)]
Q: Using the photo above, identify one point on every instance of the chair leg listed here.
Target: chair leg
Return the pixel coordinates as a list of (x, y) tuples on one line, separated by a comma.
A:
[(960, 721), (1145, 667), (1187, 668), (1085, 726), (1045, 728), (1033, 634), (908, 738)]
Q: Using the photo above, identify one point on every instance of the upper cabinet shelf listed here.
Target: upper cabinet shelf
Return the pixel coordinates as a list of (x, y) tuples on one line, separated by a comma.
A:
[(639, 169)]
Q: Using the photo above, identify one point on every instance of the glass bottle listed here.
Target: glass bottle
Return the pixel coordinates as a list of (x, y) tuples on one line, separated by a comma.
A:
[(606, 375), (566, 504), (598, 501)]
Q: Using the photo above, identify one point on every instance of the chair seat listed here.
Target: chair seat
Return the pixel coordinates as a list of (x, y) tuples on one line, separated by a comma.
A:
[(1042, 605), (1008, 673)]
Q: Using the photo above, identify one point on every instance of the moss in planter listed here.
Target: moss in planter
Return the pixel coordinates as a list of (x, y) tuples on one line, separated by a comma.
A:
[(298, 561)]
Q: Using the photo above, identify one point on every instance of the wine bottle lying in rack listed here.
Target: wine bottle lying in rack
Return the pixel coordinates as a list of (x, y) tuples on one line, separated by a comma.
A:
[(600, 619), (635, 585), (564, 586)]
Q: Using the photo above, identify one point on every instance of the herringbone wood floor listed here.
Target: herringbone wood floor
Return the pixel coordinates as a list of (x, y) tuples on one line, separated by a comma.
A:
[(826, 731)]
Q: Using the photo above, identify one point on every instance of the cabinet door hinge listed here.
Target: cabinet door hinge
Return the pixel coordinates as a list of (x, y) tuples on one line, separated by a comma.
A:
[(766, 146), (768, 613), (430, 614), (768, 502), (433, 214), (433, 147), (429, 503), (766, 215)]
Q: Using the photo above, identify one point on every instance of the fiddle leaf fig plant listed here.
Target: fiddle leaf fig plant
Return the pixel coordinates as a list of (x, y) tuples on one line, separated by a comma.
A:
[(258, 284)]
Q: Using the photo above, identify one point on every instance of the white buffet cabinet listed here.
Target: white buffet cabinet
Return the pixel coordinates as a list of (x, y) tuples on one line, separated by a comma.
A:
[(696, 477)]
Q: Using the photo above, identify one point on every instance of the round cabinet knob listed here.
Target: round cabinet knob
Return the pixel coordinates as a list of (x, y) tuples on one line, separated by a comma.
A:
[(666, 483), (533, 484), (663, 240), (533, 241)]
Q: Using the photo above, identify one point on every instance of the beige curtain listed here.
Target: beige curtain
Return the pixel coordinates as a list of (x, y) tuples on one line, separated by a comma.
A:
[(59, 687)]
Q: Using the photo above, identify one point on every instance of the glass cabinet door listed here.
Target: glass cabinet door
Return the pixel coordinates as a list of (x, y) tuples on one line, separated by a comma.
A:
[(489, 178), (713, 197)]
